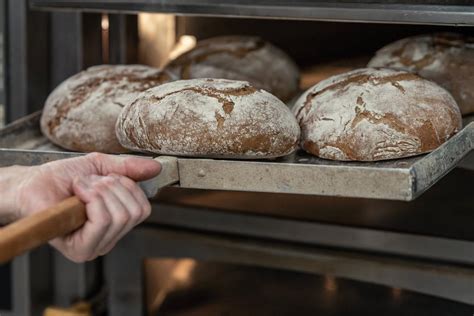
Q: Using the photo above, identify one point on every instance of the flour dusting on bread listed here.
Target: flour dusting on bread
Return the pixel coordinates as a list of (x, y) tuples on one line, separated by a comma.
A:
[(246, 58), (80, 114), (211, 118), (375, 114)]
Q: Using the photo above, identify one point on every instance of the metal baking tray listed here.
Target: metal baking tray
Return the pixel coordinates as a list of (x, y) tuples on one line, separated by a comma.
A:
[(447, 12), (22, 143)]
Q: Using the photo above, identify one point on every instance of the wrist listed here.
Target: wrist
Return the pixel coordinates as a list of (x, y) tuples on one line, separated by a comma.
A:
[(12, 180)]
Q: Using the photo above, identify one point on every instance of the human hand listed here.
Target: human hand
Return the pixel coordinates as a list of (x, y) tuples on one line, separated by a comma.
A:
[(105, 183)]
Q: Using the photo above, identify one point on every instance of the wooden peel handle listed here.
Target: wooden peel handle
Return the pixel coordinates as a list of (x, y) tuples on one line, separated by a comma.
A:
[(39, 228), (67, 216)]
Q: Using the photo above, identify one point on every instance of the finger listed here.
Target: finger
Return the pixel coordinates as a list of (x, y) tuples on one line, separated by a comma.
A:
[(109, 248), (81, 246), (115, 208), (132, 205), (82, 188), (138, 209), (139, 195), (133, 198), (138, 169)]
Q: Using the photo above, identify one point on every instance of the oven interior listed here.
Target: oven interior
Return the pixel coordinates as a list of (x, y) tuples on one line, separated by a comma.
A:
[(218, 252)]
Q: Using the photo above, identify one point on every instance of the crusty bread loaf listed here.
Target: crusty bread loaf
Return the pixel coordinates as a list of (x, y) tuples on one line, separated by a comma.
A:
[(216, 118), (240, 58), (80, 114), (447, 59), (375, 114)]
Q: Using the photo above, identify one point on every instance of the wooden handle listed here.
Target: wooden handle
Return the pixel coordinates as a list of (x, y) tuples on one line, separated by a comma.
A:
[(67, 216), (78, 309), (39, 228)]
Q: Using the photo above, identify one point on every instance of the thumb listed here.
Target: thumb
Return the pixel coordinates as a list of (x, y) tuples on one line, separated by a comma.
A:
[(137, 169)]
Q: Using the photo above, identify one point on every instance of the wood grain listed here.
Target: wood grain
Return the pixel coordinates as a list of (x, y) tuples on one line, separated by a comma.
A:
[(37, 229)]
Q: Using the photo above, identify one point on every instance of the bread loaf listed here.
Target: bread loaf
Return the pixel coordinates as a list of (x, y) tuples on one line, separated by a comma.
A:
[(240, 58), (375, 114), (447, 59), (215, 118), (80, 114)]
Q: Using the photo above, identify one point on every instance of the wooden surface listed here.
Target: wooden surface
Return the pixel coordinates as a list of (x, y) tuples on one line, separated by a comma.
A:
[(37, 229)]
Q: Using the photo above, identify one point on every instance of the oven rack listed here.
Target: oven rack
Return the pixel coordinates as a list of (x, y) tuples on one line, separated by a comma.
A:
[(405, 179), (442, 12)]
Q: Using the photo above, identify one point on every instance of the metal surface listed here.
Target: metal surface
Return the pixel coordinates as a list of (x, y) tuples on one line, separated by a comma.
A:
[(26, 59), (225, 287), (76, 43), (41, 50), (16, 60), (307, 232), (91, 40), (445, 210), (450, 12), (126, 289), (66, 46), (32, 283), (117, 38), (3, 64), (123, 39), (403, 179), (74, 281), (468, 162), (169, 175)]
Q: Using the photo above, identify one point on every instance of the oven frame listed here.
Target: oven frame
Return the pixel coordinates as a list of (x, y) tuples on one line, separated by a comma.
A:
[(257, 239)]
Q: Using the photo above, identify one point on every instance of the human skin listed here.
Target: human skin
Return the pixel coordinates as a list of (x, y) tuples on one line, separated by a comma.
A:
[(105, 183)]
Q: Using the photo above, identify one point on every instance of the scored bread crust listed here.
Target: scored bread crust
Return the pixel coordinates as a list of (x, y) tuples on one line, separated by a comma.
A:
[(208, 118), (245, 58), (80, 114), (375, 114), (445, 58)]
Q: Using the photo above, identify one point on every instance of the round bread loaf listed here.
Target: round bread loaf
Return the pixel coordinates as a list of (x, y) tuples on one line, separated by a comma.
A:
[(240, 58), (215, 118), (375, 114), (80, 114), (447, 59)]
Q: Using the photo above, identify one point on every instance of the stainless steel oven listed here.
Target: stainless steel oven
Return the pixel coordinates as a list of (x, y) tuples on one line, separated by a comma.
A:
[(404, 224)]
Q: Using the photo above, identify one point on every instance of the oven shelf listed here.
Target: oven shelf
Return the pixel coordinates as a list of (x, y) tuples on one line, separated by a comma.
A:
[(447, 12), (22, 143)]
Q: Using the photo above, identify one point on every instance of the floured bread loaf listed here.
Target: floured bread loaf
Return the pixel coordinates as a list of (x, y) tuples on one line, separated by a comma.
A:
[(80, 114), (375, 114), (447, 59), (240, 58), (208, 118)]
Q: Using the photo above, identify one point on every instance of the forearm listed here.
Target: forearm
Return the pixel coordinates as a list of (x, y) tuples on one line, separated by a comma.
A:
[(11, 179)]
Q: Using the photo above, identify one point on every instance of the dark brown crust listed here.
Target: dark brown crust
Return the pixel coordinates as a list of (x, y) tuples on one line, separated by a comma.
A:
[(220, 120), (243, 142), (81, 92), (358, 79), (350, 144), (244, 47), (455, 52), (419, 64), (63, 106), (227, 104), (186, 60), (438, 43), (250, 137), (388, 119)]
